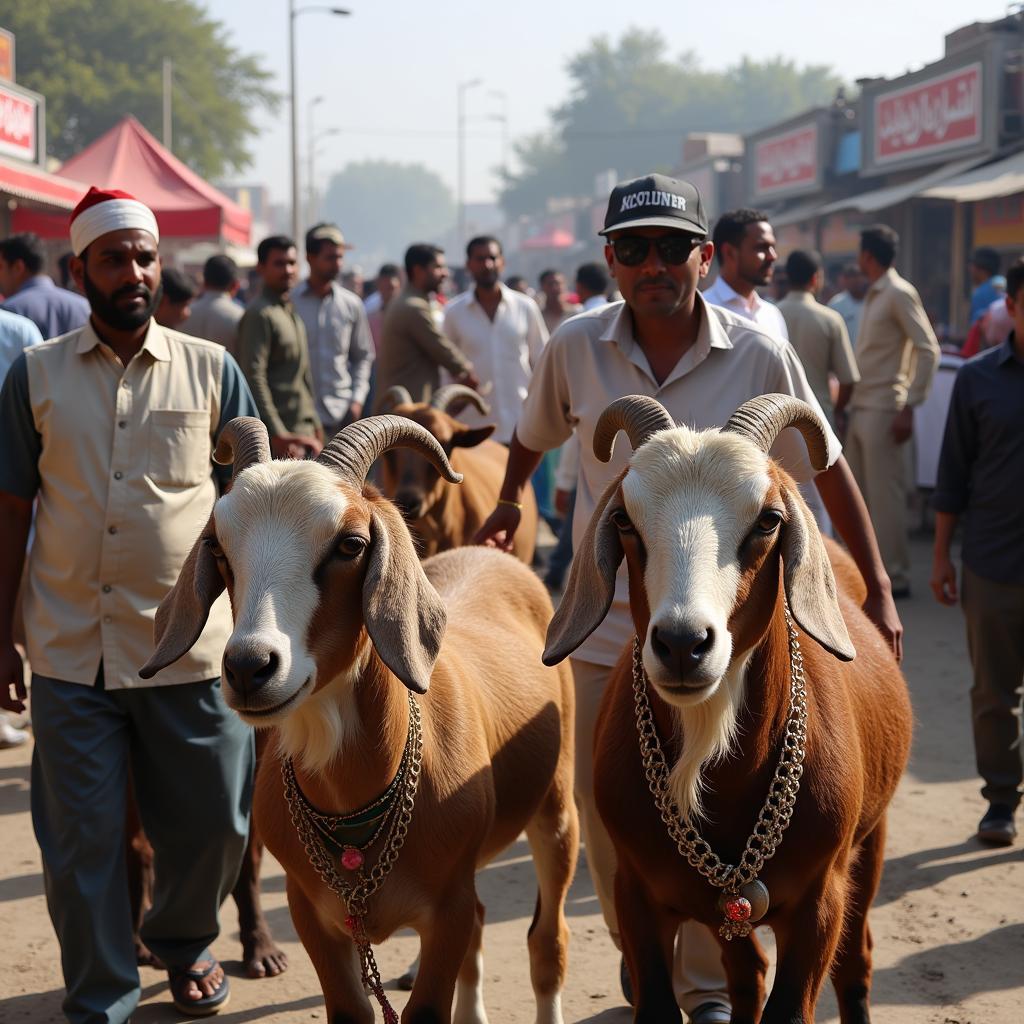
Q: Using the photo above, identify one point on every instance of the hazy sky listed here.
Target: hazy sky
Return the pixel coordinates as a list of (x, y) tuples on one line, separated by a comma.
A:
[(388, 73)]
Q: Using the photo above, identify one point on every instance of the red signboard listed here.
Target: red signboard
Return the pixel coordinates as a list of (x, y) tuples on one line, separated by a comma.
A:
[(786, 162), (939, 114), (17, 124)]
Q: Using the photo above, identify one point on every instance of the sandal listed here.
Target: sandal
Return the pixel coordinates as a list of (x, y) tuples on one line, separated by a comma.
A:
[(179, 978)]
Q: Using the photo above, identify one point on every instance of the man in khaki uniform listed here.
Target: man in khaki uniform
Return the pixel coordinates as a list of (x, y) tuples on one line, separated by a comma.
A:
[(897, 356), (110, 429)]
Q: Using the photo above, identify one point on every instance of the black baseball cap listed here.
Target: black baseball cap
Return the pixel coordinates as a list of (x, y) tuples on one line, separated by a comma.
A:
[(656, 201)]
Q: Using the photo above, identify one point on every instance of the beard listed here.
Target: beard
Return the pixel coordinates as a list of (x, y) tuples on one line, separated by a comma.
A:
[(106, 310)]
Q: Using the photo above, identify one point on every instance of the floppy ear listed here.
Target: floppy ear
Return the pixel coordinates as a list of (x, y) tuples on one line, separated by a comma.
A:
[(403, 613), (808, 579), (182, 614), (470, 437), (591, 586)]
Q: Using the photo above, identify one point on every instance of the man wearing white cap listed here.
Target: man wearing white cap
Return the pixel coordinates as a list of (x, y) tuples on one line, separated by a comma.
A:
[(110, 430)]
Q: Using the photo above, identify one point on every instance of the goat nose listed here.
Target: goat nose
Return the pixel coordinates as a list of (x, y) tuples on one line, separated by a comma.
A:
[(247, 671), (681, 652)]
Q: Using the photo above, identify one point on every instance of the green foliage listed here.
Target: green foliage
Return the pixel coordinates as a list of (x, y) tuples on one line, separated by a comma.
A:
[(631, 105), (97, 60), (384, 206)]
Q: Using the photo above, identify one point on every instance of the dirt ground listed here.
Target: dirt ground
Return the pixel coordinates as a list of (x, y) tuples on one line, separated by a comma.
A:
[(948, 922)]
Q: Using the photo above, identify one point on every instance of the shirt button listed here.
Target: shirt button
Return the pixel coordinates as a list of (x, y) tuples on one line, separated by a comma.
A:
[(118, 474), (107, 588), (122, 424), (111, 529)]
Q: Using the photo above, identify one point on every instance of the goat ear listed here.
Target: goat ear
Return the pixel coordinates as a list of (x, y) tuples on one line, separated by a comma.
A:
[(472, 436), (403, 613), (591, 586), (809, 581), (182, 614)]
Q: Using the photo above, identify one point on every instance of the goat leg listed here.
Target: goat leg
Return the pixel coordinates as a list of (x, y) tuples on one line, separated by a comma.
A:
[(745, 967)]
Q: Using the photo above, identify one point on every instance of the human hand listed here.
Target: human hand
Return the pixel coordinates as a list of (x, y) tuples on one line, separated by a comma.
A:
[(500, 528), (881, 610), (902, 427), (562, 502), (469, 378), (943, 581), (294, 446), (355, 411), (12, 679), (312, 447)]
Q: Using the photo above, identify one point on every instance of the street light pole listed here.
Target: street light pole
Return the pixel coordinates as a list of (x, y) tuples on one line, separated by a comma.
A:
[(461, 182)]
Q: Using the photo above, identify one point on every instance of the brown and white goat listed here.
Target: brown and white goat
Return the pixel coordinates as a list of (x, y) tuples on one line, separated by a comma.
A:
[(336, 620), (716, 540), (443, 517)]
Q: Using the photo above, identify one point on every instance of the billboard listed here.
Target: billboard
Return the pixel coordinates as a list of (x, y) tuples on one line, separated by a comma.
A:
[(787, 162), (19, 123)]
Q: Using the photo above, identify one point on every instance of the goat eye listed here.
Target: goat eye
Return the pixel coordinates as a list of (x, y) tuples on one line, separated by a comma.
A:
[(351, 547), (622, 522), (216, 550), (768, 522)]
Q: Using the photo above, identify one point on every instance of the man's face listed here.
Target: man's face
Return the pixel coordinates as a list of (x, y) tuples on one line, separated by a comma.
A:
[(10, 276), (281, 270), (756, 254), (979, 275), (486, 264), (553, 287), (387, 286), (1015, 307), (655, 288), (857, 284), (431, 278), (326, 264), (120, 276), (172, 314)]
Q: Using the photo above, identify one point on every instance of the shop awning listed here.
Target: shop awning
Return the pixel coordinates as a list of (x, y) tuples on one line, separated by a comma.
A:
[(35, 185), (893, 195), (993, 181)]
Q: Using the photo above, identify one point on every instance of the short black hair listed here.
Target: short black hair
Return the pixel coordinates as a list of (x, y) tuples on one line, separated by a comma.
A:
[(1015, 278), (28, 248), (272, 244), (987, 259), (801, 267), (220, 272), (421, 254), (177, 285), (482, 240), (732, 226), (389, 270), (514, 280), (593, 277), (545, 274), (880, 241)]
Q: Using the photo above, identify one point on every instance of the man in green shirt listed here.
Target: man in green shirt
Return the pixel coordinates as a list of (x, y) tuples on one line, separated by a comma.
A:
[(274, 357)]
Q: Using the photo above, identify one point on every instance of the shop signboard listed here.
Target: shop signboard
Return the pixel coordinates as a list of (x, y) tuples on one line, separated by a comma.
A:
[(788, 159), (999, 223), (19, 123), (6, 56)]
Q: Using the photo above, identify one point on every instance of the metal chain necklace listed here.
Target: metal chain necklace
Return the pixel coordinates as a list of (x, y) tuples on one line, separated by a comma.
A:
[(310, 824), (744, 898)]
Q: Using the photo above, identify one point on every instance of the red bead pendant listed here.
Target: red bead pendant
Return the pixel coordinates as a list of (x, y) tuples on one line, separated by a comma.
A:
[(738, 908), (351, 923), (352, 859)]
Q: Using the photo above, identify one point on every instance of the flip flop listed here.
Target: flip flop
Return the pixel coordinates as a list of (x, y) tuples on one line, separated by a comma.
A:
[(213, 1003)]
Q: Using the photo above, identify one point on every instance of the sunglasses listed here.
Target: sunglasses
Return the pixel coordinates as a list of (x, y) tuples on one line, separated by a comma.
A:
[(632, 250)]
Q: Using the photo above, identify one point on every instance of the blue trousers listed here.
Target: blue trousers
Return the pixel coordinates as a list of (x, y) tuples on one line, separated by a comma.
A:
[(192, 762)]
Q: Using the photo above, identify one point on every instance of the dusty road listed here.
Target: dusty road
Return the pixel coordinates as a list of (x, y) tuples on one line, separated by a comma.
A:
[(948, 923)]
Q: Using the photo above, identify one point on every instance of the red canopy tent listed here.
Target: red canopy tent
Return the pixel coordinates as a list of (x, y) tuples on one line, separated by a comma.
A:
[(552, 238), (129, 158)]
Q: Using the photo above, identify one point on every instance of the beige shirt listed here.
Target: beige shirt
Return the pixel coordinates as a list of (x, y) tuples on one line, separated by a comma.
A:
[(125, 488), (593, 359), (819, 336), (897, 353), (215, 317)]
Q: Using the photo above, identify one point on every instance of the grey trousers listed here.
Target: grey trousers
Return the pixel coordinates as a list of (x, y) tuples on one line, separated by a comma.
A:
[(995, 641), (192, 762)]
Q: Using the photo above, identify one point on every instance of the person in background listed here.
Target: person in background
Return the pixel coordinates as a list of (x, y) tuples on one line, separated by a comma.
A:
[(555, 305), (215, 313), (177, 290), (274, 357), (389, 284), (518, 283), (984, 270), (413, 348), (352, 280), (979, 481), (31, 293), (591, 286), (897, 355), (849, 302), (746, 250), (337, 332)]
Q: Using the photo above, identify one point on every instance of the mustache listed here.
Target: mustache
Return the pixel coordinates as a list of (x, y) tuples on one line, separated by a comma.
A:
[(132, 291), (657, 282)]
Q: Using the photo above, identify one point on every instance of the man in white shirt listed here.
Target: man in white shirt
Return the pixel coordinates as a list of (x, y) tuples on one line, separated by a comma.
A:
[(500, 331), (591, 286), (746, 249), (849, 303)]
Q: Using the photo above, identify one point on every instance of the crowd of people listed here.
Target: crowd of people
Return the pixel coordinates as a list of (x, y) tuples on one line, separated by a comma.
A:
[(110, 426)]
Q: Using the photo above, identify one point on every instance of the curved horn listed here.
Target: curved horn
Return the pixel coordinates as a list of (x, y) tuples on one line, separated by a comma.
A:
[(242, 442), (637, 415), (762, 419), (354, 449), (395, 395), (450, 393)]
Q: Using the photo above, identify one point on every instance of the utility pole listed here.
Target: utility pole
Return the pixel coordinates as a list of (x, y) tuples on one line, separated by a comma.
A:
[(168, 101)]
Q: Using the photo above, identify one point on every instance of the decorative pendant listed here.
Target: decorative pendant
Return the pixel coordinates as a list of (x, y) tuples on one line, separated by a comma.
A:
[(742, 909), (352, 859)]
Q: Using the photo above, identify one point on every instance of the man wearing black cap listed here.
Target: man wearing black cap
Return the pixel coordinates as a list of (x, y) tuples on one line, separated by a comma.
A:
[(700, 362)]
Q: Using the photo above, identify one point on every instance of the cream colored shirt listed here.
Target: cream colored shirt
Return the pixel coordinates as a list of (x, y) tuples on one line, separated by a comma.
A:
[(819, 336), (593, 359), (897, 353), (124, 487)]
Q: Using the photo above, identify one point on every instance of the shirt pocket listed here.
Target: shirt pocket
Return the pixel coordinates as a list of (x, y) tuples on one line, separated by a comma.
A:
[(179, 447)]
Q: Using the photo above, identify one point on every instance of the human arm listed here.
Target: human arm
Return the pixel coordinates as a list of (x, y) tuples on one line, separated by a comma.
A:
[(500, 527), (424, 332), (943, 580), (913, 321)]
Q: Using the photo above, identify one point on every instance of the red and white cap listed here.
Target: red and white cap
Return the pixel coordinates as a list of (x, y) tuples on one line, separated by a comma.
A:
[(104, 210)]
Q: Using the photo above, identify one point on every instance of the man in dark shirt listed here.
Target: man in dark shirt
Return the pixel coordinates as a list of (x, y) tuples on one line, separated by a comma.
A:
[(980, 473), (31, 293)]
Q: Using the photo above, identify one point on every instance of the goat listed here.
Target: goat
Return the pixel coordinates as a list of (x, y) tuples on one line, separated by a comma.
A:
[(445, 517), (721, 551), (337, 625)]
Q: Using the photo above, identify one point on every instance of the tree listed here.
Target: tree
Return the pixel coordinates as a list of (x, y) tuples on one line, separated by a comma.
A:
[(97, 60), (384, 206), (631, 105)]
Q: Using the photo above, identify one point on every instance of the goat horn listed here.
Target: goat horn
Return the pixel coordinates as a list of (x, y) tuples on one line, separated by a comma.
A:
[(637, 415), (762, 419), (243, 442), (395, 395), (356, 447), (450, 393)]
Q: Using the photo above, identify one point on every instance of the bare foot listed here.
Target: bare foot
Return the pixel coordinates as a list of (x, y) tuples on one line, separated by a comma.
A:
[(260, 956), (145, 957)]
